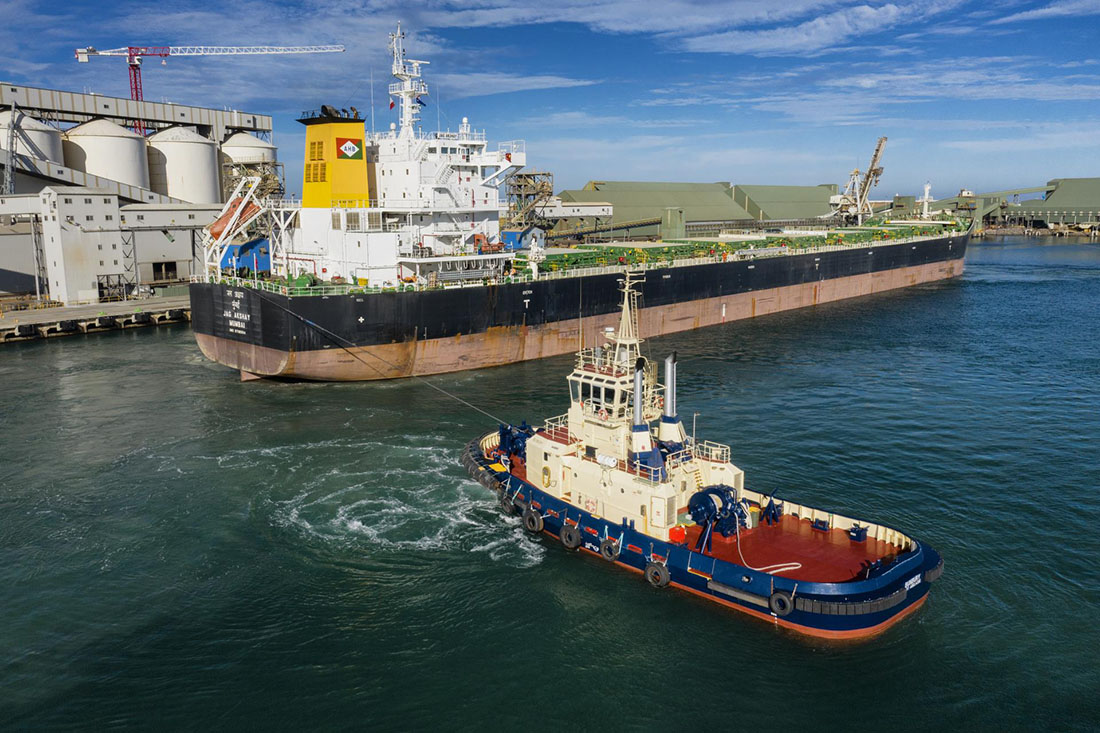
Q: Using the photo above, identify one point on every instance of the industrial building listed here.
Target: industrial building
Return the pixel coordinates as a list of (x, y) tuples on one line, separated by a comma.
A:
[(92, 210), (639, 201), (1066, 204), (80, 245), (785, 203)]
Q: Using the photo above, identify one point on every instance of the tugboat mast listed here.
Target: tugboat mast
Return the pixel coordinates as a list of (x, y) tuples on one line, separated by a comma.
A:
[(627, 339)]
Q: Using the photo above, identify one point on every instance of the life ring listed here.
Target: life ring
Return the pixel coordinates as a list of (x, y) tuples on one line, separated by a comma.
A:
[(532, 521), (603, 414), (546, 477), (570, 536), (609, 548), (657, 575), (781, 603)]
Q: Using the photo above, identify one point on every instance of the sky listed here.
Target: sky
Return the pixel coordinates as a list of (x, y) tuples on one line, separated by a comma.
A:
[(988, 96)]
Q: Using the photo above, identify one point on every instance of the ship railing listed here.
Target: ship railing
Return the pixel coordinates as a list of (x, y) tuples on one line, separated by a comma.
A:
[(745, 254), (601, 361), (291, 290), (489, 442), (643, 472), (513, 146), (557, 429), (830, 520), (355, 204), (343, 289), (285, 202), (471, 135), (646, 473), (709, 451), (604, 412)]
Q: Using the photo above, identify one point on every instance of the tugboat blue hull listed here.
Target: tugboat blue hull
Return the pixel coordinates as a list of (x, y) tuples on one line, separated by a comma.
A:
[(843, 610)]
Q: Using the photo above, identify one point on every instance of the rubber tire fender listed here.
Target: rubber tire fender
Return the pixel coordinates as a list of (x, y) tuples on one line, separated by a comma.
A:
[(781, 602), (507, 503), (570, 536), (657, 575), (609, 548), (532, 521)]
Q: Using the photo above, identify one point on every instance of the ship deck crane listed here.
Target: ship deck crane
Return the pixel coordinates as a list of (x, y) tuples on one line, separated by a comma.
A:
[(135, 54)]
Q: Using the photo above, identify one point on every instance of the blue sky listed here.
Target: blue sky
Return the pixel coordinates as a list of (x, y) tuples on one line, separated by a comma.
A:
[(988, 96)]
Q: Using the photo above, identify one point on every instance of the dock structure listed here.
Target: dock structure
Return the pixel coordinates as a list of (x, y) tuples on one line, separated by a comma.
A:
[(77, 107), (43, 323)]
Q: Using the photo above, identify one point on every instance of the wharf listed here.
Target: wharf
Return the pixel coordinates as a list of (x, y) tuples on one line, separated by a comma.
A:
[(25, 325)]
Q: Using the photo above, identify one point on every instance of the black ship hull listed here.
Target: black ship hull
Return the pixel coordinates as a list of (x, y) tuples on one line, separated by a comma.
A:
[(399, 334)]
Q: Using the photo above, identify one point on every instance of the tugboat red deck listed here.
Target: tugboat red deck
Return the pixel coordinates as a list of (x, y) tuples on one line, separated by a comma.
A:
[(826, 556)]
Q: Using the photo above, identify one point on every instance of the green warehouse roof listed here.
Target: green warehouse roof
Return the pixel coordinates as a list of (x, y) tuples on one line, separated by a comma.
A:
[(634, 200), (785, 202), (1069, 194)]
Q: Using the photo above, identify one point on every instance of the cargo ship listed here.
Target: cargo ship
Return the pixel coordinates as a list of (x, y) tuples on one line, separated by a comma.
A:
[(392, 263), (604, 479)]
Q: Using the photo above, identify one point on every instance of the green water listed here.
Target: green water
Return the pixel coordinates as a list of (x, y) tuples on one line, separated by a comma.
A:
[(179, 550)]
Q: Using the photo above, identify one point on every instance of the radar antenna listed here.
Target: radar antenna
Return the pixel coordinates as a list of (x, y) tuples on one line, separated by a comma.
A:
[(409, 87)]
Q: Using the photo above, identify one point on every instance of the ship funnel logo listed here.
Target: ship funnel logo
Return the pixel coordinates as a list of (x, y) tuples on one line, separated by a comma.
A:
[(349, 148)]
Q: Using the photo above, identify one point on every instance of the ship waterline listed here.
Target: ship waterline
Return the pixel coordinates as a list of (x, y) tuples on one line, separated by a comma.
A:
[(332, 353)]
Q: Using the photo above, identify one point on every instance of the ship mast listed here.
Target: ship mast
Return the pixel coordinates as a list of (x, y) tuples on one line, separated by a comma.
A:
[(410, 86)]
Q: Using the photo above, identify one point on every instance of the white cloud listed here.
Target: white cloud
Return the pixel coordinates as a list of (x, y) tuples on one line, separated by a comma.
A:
[(868, 93), (1064, 9), (812, 35), (575, 119), (483, 83), (664, 17), (1050, 136)]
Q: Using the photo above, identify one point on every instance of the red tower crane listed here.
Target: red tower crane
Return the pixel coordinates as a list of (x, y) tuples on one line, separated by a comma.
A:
[(135, 54)]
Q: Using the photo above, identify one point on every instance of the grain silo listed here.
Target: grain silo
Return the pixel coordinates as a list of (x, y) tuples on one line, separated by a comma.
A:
[(32, 138), (246, 149), (184, 165), (104, 149), (245, 155)]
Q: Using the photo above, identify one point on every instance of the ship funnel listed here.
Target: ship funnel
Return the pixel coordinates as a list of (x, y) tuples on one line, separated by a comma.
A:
[(670, 385), (639, 370)]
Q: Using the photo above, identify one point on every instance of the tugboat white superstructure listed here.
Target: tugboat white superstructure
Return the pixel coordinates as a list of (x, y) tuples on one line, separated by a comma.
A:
[(603, 477)]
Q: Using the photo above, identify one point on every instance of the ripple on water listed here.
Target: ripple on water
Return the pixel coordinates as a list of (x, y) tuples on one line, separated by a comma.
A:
[(180, 548)]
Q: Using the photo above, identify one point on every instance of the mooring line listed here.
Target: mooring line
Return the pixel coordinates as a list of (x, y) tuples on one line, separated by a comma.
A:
[(337, 339)]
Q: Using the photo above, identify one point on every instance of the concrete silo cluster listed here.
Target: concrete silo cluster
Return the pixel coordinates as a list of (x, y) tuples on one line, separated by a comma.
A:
[(91, 210), (195, 155)]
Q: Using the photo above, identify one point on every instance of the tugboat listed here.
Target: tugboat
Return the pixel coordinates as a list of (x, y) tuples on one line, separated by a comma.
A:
[(603, 478)]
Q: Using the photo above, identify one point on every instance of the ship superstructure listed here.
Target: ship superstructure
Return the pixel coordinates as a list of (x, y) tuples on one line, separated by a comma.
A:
[(619, 476), (394, 207)]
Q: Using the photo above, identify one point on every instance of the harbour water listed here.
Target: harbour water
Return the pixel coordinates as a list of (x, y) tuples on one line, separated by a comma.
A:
[(181, 550)]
